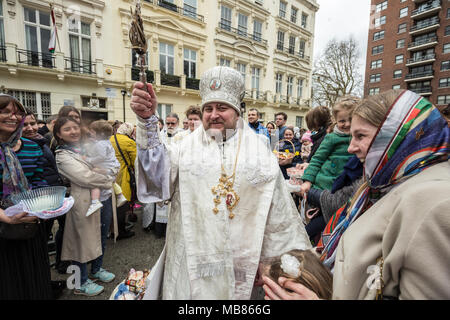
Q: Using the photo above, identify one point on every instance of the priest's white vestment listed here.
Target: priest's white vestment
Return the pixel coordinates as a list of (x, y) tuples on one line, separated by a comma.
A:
[(208, 255)]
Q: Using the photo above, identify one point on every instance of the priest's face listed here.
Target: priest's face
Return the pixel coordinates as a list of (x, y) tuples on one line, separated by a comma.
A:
[(218, 117)]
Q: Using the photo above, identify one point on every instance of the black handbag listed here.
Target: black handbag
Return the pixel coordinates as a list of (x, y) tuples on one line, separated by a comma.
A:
[(131, 173), (21, 231)]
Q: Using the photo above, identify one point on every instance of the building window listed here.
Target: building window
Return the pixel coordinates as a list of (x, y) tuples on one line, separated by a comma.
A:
[(380, 21), (225, 62), (396, 87), (242, 24), (373, 91), (302, 47), (399, 59), (446, 48), (299, 121), (225, 18), (448, 13), (376, 64), (283, 8), (190, 63), (2, 35), (279, 83), (242, 69), (402, 27), (400, 43), (304, 20), (38, 102), (444, 83), (257, 30), (166, 58), (397, 74), (290, 84), (291, 44), (280, 40), (255, 78), (80, 46), (404, 12), (375, 78), (445, 65), (190, 8), (294, 12), (381, 6), (378, 35), (164, 110), (300, 88), (447, 30), (443, 99), (377, 49)]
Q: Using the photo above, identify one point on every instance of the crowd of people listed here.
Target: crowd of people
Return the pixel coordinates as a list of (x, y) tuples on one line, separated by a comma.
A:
[(375, 175)]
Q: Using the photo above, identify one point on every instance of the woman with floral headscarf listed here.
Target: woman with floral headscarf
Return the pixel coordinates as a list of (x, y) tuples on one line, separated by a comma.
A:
[(391, 239), (24, 266)]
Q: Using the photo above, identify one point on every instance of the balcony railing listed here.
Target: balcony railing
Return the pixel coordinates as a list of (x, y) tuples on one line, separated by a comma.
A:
[(292, 51), (422, 42), (254, 37), (422, 25), (429, 6), (188, 11), (421, 90), (79, 65), (170, 80), (135, 75), (34, 58), (422, 58), (415, 75), (192, 83), (2, 54)]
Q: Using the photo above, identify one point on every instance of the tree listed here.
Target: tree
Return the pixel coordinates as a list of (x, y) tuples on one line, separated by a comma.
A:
[(336, 72)]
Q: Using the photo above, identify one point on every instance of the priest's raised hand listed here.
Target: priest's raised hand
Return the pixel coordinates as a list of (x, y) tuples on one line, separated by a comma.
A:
[(143, 103)]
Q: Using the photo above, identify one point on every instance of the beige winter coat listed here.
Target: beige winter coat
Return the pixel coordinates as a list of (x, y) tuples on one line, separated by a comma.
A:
[(410, 228), (82, 235)]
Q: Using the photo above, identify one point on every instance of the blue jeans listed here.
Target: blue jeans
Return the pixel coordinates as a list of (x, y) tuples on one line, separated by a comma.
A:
[(106, 218)]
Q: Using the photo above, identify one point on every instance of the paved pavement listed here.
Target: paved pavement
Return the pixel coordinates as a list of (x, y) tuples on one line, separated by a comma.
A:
[(138, 252)]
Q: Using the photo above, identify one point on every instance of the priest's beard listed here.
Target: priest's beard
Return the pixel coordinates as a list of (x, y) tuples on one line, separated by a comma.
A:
[(225, 134)]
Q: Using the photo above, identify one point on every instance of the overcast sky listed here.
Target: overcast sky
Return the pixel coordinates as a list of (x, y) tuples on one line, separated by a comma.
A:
[(339, 19)]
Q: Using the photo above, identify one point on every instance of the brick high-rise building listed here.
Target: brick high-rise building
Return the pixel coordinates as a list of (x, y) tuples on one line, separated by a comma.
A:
[(409, 48)]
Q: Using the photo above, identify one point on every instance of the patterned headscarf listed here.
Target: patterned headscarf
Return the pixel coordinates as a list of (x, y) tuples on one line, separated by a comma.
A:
[(413, 137), (14, 180), (126, 128)]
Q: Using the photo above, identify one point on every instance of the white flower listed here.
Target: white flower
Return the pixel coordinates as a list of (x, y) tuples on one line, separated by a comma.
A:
[(290, 265)]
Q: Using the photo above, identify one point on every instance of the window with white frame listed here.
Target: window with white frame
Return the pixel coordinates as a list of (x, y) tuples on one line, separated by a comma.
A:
[(381, 6), (241, 67), (397, 74), (225, 62), (400, 43), (164, 109), (190, 63), (190, 8), (280, 40), (402, 27), (257, 30), (302, 47), (291, 44), (299, 121), (225, 18), (283, 8), (300, 88), (294, 12), (404, 12), (395, 87), (377, 49), (446, 48), (242, 24), (279, 83), (398, 59), (444, 83), (375, 77), (38, 102), (443, 99), (378, 35), (373, 91), (376, 64), (166, 58), (290, 84), (380, 21), (37, 37), (80, 46), (2, 35), (255, 78), (304, 20)]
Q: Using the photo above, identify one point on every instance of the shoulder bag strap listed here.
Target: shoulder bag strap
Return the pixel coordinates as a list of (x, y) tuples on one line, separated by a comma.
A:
[(121, 153)]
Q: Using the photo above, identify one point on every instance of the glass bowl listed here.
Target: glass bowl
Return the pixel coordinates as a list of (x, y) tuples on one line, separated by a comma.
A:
[(42, 199)]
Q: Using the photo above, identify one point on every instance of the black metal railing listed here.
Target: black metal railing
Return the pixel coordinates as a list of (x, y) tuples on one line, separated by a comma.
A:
[(135, 75), (79, 65), (425, 24), (35, 58), (422, 58), (255, 37), (170, 80), (429, 6), (192, 83), (421, 90), (2, 54), (422, 42), (260, 95), (415, 75), (292, 51), (187, 10)]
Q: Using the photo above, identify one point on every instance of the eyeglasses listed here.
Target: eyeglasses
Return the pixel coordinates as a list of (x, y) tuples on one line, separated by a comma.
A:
[(171, 123), (19, 114)]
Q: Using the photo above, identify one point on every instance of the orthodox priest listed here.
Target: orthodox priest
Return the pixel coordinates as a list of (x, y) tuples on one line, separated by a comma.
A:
[(231, 210)]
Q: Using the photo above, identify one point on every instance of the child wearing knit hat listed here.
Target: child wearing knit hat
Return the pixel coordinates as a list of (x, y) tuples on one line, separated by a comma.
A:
[(306, 145)]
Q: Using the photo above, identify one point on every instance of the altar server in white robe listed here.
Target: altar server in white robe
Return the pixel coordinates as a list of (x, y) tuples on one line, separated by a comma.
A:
[(231, 210)]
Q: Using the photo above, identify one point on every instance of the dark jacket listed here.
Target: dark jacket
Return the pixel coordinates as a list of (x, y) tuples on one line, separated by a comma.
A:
[(317, 139)]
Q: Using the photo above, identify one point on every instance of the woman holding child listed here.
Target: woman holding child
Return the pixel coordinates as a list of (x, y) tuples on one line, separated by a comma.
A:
[(397, 225)]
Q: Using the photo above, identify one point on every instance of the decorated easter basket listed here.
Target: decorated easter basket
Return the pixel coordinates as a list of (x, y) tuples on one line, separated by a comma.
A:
[(286, 154)]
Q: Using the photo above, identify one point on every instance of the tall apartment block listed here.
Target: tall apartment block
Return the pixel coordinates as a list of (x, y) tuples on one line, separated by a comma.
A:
[(409, 48)]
